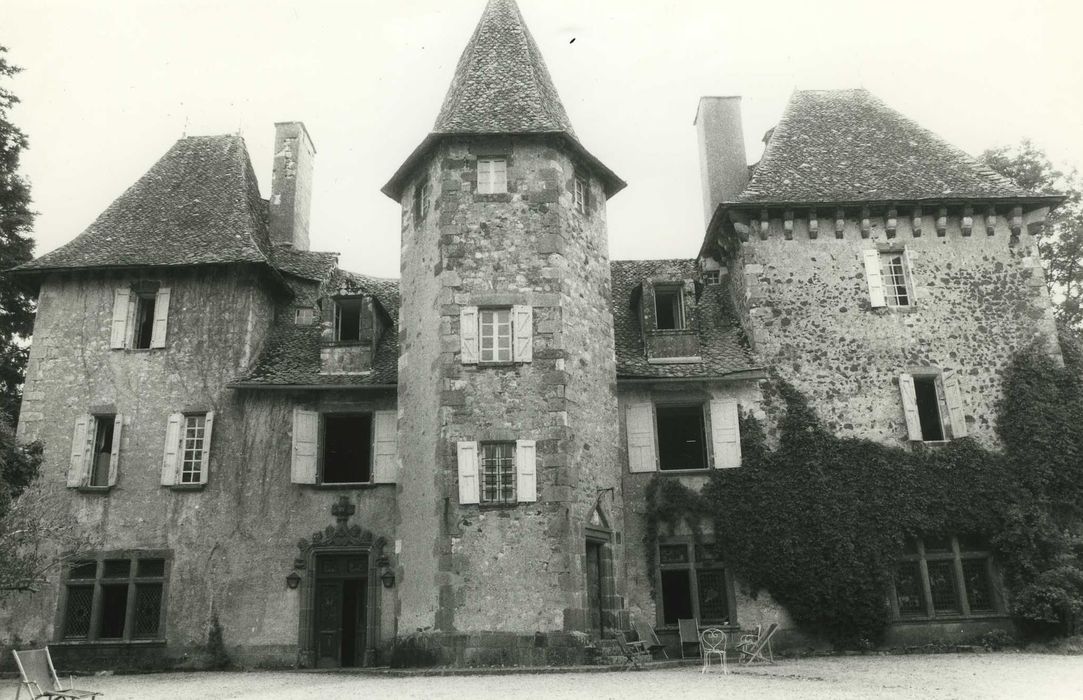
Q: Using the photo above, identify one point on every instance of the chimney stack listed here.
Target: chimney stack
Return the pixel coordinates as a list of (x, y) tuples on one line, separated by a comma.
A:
[(723, 168), (291, 185)]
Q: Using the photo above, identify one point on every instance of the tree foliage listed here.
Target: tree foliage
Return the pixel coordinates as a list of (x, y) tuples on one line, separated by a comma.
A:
[(1061, 245), (16, 247), (818, 520)]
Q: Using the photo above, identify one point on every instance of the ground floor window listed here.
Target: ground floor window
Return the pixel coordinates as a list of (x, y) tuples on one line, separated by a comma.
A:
[(692, 583), (944, 577), (115, 597)]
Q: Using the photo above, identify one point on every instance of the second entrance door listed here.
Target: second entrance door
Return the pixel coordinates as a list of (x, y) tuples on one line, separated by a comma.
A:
[(341, 586)]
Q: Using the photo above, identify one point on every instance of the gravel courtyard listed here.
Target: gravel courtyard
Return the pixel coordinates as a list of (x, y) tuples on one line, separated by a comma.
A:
[(938, 676)]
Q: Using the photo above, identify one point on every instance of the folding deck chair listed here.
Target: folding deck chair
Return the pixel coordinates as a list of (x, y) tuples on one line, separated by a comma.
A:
[(630, 650), (689, 631), (753, 646), (39, 677), (649, 638)]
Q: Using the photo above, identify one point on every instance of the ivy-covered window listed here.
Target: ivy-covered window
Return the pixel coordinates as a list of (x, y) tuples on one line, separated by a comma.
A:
[(692, 583), (115, 596), (944, 577)]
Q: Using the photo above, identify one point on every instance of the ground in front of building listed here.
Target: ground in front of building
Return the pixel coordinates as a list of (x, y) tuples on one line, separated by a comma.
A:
[(1000, 675)]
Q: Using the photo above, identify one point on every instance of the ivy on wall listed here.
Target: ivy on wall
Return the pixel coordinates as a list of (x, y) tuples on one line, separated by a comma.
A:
[(818, 520)]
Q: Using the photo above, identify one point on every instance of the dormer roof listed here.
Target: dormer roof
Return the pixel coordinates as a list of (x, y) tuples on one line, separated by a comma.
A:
[(501, 86)]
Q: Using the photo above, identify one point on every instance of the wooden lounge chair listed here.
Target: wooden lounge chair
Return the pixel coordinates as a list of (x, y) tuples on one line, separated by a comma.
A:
[(631, 650), (689, 631), (39, 677), (712, 642), (752, 647), (647, 635)]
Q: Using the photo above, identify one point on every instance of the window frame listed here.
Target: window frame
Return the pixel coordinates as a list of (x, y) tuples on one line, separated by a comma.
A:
[(133, 579), (694, 564), (422, 200), (660, 406), (489, 179), (183, 450), (148, 300), (580, 193), (482, 310), (100, 421), (512, 472), (957, 555), (339, 302), (680, 314), (321, 449), (712, 278), (300, 311), (941, 405), (890, 281)]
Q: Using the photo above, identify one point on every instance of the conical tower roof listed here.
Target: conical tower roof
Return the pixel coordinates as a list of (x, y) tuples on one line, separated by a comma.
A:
[(501, 86)]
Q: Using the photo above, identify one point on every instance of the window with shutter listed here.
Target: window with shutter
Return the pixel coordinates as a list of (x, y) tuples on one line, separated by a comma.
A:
[(306, 426), (682, 443), (102, 431), (725, 433), (874, 278), (170, 460), (160, 318), (954, 403), (118, 336), (639, 421), (468, 335), (492, 175), (80, 451)]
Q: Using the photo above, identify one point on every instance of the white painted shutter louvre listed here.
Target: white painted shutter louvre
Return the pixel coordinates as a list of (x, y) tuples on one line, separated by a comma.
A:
[(77, 469), (954, 399), (161, 318), (910, 407), (875, 278), (639, 419), (306, 426), (386, 452), (114, 452), (171, 458), (205, 465), (526, 471), (468, 334), (911, 286), (725, 434), (119, 328), (522, 321), (469, 492)]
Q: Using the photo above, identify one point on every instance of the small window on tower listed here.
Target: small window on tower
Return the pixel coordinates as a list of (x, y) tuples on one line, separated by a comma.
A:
[(492, 175), (896, 278), (495, 335), (421, 200), (580, 194)]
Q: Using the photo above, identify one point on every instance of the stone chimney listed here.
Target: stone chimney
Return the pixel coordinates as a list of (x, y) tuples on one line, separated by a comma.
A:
[(723, 169), (291, 185)]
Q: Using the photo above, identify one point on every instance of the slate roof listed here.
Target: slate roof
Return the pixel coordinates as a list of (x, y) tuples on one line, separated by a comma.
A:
[(198, 204), (848, 146), (307, 264), (291, 355), (723, 345), (501, 86)]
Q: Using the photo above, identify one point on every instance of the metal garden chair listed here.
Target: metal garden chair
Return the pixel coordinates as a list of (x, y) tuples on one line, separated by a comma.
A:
[(39, 677), (713, 643)]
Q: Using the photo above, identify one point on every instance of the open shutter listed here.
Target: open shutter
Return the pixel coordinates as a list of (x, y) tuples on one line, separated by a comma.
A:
[(205, 465), (469, 492), (170, 459), (161, 318), (306, 426), (114, 453), (874, 278), (725, 434), (119, 329), (77, 469), (526, 471), (468, 334), (500, 175), (639, 419), (522, 321), (954, 399), (908, 266), (385, 450), (910, 407)]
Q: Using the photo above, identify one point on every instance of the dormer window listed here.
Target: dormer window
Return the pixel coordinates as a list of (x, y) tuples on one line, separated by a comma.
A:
[(492, 175), (669, 308), (348, 319)]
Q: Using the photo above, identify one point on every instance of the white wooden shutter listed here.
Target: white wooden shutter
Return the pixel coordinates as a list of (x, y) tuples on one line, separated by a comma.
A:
[(725, 434), (385, 450), (522, 322), (119, 329), (171, 458), (468, 334), (306, 428), (639, 419), (526, 471), (875, 278), (469, 491), (910, 407), (161, 318), (954, 399), (78, 468), (911, 287), (205, 465), (500, 175), (114, 452)]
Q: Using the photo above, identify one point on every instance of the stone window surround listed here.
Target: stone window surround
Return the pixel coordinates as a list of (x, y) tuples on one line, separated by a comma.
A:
[(957, 555), (98, 556), (693, 566)]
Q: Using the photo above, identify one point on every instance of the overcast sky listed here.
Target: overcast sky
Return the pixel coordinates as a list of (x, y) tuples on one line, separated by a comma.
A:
[(109, 86)]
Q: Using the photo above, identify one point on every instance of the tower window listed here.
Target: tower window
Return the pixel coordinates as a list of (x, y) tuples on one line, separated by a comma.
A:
[(495, 335), (492, 175), (498, 472), (422, 194), (668, 308), (580, 194), (895, 276)]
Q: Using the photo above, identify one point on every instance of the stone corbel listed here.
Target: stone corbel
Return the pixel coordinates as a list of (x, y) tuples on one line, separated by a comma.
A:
[(866, 226), (1016, 223), (941, 222), (892, 223), (787, 224), (840, 222), (968, 220), (915, 224), (991, 221), (813, 225), (765, 224)]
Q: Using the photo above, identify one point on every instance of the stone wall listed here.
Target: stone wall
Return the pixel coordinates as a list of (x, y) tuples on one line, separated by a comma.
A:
[(234, 542), (514, 569)]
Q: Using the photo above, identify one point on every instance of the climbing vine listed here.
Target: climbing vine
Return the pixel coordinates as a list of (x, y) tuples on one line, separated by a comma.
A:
[(817, 520)]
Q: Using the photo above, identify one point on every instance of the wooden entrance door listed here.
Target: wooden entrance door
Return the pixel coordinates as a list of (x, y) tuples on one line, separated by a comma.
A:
[(341, 594), (594, 588)]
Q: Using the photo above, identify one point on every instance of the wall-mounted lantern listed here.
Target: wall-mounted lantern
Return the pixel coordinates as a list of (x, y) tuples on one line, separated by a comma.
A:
[(388, 578), (293, 580)]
